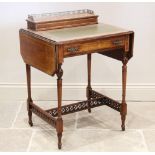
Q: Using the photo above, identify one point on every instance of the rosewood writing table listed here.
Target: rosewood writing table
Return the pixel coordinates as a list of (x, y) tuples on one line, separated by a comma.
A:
[(46, 50)]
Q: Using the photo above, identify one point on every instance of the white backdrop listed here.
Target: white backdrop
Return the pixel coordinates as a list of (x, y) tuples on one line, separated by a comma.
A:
[(139, 17)]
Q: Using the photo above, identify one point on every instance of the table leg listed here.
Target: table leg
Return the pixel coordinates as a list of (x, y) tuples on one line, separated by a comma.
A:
[(123, 111), (59, 122), (29, 99), (89, 80)]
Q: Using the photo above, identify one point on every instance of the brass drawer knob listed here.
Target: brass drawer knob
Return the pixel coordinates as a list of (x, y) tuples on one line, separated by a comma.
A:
[(117, 42), (72, 49)]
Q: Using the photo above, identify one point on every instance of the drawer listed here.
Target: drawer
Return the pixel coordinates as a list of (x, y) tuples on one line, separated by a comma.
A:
[(96, 45)]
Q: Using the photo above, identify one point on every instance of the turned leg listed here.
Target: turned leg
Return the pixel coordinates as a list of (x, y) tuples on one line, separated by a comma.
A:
[(29, 99), (123, 111), (89, 81), (59, 122)]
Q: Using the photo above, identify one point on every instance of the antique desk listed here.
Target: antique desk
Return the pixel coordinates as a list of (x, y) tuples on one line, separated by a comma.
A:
[(46, 47)]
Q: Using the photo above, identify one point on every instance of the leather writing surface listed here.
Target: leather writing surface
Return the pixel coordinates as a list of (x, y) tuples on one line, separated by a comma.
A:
[(81, 32)]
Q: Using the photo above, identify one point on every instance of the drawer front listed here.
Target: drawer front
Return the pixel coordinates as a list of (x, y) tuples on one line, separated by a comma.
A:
[(97, 45)]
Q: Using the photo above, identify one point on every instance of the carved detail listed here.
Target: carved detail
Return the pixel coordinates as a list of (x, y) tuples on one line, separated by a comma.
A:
[(59, 122), (40, 113), (125, 60), (75, 107), (96, 100), (28, 32), (59, 72), (106, 100), (123, 111)]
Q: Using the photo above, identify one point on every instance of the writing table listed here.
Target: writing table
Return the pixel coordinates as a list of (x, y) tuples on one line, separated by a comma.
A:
[(47, 50)]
